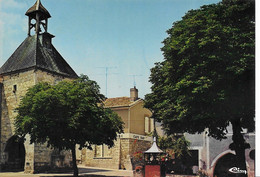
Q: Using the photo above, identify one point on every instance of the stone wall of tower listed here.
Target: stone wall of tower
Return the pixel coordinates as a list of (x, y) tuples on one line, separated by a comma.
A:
[(42, 76), (14, 87)]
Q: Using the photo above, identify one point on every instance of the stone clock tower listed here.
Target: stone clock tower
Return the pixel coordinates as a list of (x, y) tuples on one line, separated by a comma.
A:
[(35, 60)]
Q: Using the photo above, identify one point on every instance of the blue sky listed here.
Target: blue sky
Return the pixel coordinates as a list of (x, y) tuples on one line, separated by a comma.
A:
[(123, 35)]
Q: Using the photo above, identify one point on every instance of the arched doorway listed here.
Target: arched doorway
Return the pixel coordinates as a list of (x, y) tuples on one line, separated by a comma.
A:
[(224, 164), (15, 154)]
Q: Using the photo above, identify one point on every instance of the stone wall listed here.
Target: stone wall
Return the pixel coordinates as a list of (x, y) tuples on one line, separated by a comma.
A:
[(137, 146), (120, 154), (42, 76), (14, 87), (96, 158)]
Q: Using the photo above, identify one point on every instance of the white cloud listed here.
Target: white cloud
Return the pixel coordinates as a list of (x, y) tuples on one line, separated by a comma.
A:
[(12, 22), (11, 4), (10, 17)]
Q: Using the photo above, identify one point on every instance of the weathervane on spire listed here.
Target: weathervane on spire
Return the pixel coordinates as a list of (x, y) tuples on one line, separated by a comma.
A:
[(38, 13)]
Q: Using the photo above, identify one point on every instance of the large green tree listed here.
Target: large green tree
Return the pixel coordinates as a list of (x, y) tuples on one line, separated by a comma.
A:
[(67, 114), (206, 80), (178, 145)]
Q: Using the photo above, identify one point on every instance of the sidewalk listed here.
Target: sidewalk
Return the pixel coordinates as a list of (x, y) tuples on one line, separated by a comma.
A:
[(83, 172)]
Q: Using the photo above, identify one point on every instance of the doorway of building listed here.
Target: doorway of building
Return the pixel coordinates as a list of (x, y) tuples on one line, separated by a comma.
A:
[(223, 165), (14, 154)]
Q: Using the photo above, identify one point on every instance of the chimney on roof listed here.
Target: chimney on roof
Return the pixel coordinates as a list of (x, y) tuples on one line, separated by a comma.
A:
[(133, 94)]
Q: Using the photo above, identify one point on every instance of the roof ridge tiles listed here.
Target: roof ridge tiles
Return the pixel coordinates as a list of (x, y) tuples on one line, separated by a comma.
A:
[(120, 102)]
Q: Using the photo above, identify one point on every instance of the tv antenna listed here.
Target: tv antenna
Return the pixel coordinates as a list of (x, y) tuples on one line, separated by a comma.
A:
[(106, 73), (134, 75)]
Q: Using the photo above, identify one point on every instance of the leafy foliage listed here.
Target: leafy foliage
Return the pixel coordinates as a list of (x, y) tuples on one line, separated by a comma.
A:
[(67, 114), (174, 145), (207, 77)]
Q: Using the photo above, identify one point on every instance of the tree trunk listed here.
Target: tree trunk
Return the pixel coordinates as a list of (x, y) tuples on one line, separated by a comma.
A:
[(75, 168), (239, 145)]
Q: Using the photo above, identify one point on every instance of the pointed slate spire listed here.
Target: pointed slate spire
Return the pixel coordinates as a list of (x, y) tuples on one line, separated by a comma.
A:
[(40, 15)]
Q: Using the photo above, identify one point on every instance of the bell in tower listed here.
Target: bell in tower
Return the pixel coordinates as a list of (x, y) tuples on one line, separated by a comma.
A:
[(40, 15)]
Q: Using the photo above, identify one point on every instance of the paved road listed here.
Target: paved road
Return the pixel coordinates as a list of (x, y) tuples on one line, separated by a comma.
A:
[(83, 171)]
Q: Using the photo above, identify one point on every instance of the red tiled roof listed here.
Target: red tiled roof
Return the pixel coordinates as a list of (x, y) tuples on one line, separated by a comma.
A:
[(118, 102)]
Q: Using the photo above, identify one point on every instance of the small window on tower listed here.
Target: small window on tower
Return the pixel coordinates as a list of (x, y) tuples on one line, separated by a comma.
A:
[(14, 88)]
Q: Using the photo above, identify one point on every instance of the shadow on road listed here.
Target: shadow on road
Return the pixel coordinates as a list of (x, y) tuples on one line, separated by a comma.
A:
[(79, 176), (83, 172)]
